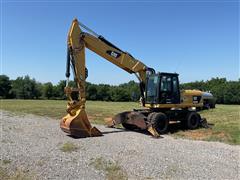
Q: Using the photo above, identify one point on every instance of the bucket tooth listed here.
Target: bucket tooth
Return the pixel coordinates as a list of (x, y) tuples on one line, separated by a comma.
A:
[(95, 132), (153, 132)]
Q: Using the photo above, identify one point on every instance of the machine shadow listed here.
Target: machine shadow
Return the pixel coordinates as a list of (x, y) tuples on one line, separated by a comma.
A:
[(176, 127), (173, 128), (110, 132), (103, 132)]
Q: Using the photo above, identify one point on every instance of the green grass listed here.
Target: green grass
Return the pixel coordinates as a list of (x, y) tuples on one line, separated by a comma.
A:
[(111, 169), (16, 175), (3, 173), (226, 118), (68, 147), (226, 125), (97, 110), (6, 161), (54, 109)]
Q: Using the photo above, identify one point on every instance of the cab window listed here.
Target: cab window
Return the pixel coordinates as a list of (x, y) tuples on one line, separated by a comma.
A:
[(166, 84), (175, 85), (152, 88)]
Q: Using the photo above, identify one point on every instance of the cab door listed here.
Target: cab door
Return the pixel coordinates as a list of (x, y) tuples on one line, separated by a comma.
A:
[(176, 90), (152, 89), (169, 89)]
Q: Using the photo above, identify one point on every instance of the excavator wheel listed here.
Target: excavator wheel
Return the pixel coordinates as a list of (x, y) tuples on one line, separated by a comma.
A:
[(159, 122), (192, 120), (149, 118)]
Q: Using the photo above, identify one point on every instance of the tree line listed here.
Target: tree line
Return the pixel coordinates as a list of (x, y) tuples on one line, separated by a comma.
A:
[(225, 92), (28, 88)]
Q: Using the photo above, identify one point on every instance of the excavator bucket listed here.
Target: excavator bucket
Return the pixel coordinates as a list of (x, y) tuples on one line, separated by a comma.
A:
[(79, 125)]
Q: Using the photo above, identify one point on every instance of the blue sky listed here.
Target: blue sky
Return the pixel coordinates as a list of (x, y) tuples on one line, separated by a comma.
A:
[(198, 40)]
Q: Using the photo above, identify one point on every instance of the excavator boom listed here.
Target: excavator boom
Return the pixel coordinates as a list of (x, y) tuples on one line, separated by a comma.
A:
[(76, 121)]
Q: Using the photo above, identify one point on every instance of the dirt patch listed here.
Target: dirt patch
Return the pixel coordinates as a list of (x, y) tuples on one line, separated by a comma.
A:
[(206, 134), (108, 121), (198, 135)]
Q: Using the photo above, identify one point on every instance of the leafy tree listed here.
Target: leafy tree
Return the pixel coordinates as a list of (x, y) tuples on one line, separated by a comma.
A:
[(60, 87), (232, 93), (132, 89), (5, 86), (120, 94), (25, 88), (103, 92), (194, 85), (47, 90), (224, 91), (37, 91), (59, 90), (91, 91), (217, 86)]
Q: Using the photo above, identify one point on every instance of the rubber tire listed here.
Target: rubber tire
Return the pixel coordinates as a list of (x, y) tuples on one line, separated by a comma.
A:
[(193, 120), (160, 122), (212, 105), (149, 118)]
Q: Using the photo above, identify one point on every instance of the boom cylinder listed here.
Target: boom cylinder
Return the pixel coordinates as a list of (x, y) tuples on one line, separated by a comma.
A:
[(68, 64)]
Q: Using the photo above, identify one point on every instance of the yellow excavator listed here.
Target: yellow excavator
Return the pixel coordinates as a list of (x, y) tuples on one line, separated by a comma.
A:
[(160, 94)]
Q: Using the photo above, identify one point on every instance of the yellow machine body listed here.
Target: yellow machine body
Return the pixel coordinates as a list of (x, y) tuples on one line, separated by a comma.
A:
[(76, 122), (186, 101)]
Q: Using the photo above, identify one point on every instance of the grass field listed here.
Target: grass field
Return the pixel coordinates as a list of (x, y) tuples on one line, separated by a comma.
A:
[(225, 118)]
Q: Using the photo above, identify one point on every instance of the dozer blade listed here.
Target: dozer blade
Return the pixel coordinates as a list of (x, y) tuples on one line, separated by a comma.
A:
[(132, 120), (128, 117), (79, 125)]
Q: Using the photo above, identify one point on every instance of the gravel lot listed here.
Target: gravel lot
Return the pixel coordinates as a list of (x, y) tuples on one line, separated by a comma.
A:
[(33, 145)]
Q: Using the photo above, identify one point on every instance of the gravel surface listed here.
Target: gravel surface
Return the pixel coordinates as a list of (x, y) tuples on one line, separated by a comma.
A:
[(33, 145)]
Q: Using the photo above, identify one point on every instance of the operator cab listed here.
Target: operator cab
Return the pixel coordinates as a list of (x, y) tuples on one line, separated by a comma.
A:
[(162, 88)]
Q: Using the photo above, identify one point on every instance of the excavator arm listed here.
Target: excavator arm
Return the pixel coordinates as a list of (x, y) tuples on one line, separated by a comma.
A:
[(79, 40), (76, 122)]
